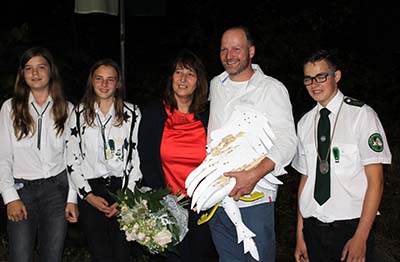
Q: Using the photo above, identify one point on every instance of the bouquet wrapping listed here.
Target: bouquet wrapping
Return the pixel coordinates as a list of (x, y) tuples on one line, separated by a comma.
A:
[(154, 218)]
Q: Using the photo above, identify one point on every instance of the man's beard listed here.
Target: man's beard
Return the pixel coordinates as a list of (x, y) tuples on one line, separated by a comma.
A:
[(243, 64)]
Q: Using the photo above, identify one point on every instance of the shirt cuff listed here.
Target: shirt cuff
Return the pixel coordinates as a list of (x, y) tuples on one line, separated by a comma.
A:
[(72, 196), (9, 195), (279, 169)]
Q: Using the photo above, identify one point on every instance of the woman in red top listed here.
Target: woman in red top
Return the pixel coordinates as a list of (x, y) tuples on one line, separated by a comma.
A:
[(172, 143)]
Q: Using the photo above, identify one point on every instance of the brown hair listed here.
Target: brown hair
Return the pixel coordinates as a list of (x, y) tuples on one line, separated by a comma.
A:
[(22, 120), (249, 37), (90, 97), (189, 60)]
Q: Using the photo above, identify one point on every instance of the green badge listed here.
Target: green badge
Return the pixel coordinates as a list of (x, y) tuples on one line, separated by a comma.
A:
[(336, 154), (375, 142)]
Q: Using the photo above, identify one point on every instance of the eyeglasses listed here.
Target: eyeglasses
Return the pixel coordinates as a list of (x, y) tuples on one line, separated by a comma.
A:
[(320, 78)]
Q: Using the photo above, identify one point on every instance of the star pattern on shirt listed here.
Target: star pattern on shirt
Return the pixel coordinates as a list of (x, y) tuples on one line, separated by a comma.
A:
[(82, 191), (74, 132), (70, 169), (126, 117), (128, 144)]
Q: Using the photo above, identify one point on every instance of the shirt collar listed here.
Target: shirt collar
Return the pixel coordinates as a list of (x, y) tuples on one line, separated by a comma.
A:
[(111, 112), (257, 71), (33, 100), (334, 104)]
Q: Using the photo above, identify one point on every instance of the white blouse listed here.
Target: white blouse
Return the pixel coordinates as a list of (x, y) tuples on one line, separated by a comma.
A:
[(22, 158)]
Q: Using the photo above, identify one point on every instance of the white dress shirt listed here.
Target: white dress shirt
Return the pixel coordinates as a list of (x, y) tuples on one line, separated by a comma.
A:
[(88, 156), (269, 97), (22, 158), (356, 124)]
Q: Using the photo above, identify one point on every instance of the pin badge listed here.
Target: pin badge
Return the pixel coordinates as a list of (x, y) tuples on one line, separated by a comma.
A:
[(336, 154)]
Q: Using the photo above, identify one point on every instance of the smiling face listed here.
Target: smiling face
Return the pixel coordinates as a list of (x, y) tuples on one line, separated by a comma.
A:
[(322, 92), (37, 73), (184, 82), (236, 55), (105, 82)]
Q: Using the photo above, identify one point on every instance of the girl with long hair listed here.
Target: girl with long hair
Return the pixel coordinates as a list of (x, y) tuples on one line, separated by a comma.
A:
[(102, 158), (33, 178)]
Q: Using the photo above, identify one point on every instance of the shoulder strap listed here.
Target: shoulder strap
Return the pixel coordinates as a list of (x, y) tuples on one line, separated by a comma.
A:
[(353, 102)]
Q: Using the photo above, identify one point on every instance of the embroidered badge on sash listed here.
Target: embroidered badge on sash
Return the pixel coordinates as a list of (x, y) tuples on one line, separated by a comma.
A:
[(375, 142)]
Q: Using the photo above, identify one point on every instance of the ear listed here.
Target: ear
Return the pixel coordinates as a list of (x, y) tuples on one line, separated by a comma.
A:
[(252, 51), (338, 75)]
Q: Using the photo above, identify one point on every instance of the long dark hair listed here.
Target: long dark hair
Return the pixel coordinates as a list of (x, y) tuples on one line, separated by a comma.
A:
[(22, 120), (189, 60), (90, 97)]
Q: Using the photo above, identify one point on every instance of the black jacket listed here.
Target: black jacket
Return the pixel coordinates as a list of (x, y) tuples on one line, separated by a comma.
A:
[(151, 129)]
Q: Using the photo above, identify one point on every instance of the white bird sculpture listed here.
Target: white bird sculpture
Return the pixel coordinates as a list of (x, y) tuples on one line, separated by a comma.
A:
[(239, 145)]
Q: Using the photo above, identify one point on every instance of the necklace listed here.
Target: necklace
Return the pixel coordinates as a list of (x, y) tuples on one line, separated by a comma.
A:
[(323, 163), (107, 150), (40, 117)]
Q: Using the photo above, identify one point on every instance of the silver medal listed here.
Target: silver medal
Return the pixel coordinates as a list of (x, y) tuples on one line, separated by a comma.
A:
[(323, 167)]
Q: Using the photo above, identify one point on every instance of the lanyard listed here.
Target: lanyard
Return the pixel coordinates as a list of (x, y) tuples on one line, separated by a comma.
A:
[(39, 124), (103, 134), (325, 165)]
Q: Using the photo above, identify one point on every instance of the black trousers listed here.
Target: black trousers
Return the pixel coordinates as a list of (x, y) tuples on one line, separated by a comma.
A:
[(106, 242), (197, 246), (325, 241)]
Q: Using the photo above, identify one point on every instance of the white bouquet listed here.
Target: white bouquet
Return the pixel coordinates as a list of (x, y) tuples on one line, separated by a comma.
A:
[(155, 219)]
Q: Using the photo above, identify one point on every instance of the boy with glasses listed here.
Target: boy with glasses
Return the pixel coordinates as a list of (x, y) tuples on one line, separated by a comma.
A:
[(341, 151)]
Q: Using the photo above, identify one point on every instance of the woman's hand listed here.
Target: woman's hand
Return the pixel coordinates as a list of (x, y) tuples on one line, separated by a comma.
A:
[(71, 212), (99, 203)]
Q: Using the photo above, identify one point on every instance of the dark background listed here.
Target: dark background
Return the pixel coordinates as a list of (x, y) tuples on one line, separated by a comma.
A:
[(364, 34)]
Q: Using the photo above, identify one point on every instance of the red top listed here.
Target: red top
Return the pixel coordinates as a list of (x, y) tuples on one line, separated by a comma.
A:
[(183, 148)]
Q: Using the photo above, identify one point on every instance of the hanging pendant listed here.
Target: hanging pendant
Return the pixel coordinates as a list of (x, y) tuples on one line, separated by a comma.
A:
[(108, 154), (324, 167)]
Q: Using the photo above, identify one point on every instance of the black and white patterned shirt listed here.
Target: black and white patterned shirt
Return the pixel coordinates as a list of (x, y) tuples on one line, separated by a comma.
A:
[(92, 153)]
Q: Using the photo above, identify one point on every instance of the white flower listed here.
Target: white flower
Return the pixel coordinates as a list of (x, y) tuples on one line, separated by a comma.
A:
[(144, 220), (141, 236), (163, 237), (130, 236)]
